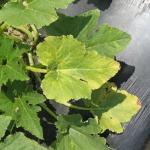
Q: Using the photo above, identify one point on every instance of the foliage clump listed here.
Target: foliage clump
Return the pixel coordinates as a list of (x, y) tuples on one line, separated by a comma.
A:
[(75, 61)]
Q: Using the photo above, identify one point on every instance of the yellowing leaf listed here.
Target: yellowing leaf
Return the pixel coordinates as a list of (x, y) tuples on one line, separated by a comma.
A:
[(113, 107), (72, 72)]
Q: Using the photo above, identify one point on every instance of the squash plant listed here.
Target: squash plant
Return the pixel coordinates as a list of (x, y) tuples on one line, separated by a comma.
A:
[(74, 61)]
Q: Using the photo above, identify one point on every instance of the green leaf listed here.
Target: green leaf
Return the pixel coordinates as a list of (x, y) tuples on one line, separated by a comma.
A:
[(88, 141), (72, 72), (64, 122), (19, 88), (20, 142), (2, 2), (7, 105), (34, 12), (33, 98), (23, 109), (78, 26), (27, 117), (113, 107), (88, 127), (79, 141), (106, 40), (75, 134), (4, 122), (11, 66), (65, 144)]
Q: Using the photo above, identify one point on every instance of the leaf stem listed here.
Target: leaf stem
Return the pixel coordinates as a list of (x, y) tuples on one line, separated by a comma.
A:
[(31, 62), (43, 105), (85, 108), (77, 107), (34, 69)]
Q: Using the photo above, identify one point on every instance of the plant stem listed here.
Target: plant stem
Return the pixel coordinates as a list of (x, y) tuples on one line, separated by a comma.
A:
[(31, 62), (85, 108), (26, 31), (43, 105), (77, 107), (34, 69), (35, 33)]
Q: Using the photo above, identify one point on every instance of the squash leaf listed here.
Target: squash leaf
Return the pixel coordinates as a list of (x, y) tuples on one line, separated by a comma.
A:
[(77, 140), (4, 122), (34, 12), (113, 107), (106, 40), (71, 133), (20, 142), (23, 109), (11, 66), (64, 122), (72, 72)]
